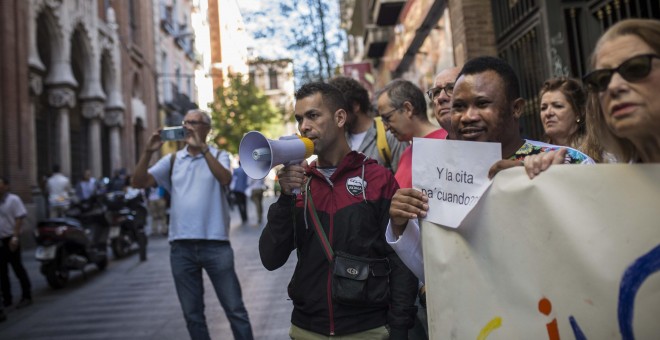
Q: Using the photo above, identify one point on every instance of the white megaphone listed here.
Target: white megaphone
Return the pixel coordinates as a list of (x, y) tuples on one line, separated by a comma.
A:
[(259, 154)]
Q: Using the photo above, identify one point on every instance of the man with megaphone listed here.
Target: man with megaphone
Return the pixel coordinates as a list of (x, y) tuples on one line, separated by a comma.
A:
[(348, 281), (199, 223)]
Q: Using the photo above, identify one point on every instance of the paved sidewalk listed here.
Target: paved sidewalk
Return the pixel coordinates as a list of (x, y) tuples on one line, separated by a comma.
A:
[(133, 300)]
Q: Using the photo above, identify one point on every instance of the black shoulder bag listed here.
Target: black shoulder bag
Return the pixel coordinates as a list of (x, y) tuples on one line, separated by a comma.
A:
[(356, 280)]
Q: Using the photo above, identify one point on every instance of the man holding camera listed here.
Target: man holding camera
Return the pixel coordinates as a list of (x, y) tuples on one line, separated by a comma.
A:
[(199, 223), (348, 281)]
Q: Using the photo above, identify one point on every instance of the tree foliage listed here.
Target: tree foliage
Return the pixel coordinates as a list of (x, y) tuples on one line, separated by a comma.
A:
[(310, 29), (239, 108)]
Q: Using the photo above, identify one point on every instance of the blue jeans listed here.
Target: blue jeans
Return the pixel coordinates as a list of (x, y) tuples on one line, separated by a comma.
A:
[(188, 258)]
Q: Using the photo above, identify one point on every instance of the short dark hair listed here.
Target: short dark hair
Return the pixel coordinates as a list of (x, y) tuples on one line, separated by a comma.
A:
[(331, 97), (353, 92), (56, 168), (4, 180), (499, 66), (400, 91)]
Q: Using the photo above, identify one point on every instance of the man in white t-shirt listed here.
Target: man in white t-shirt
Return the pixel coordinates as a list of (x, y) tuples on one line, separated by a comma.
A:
[(12, 214), (59, 192)]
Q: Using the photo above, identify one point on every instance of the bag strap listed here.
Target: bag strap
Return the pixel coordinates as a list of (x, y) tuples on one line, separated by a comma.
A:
[(172, 159), (318, 227), (381, 142)]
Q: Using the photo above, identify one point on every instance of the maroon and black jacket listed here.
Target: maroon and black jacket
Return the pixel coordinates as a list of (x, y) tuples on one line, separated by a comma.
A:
[(354, 215)]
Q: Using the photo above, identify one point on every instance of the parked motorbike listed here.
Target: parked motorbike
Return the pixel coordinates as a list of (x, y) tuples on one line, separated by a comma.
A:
[(72, 242), (127, 216)]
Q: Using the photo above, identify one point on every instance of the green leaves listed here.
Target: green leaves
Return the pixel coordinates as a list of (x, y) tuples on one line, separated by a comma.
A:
[(239, 108)]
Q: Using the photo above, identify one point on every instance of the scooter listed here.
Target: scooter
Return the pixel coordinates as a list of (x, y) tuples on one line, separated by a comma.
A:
[(127, 216), (72, 242)]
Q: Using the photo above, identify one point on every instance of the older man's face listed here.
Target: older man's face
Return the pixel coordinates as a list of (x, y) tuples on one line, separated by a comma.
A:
[(441, 100), (196, 121)]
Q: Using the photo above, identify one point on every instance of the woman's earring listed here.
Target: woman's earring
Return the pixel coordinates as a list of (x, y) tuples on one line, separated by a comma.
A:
[(578, 121)]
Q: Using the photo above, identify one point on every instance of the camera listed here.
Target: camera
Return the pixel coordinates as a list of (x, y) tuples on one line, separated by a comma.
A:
[(173, 133)]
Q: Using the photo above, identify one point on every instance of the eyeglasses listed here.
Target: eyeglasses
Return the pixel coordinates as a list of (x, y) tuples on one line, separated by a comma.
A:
[(434, 92), (632, 70), (385, 117), (194, 122)]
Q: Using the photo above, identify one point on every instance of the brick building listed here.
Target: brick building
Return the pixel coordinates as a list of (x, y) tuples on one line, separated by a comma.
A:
[(415, 39)]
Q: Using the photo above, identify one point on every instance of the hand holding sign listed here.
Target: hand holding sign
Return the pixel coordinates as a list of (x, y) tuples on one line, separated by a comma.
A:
[(406, 204), (452, 175)]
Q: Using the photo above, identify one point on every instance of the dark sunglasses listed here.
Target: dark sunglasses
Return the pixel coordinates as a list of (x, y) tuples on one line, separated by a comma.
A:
[(632, 70), (434, 92)]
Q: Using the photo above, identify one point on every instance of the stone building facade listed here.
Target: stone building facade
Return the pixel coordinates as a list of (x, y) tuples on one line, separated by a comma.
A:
[(275, 79), (78, 89)]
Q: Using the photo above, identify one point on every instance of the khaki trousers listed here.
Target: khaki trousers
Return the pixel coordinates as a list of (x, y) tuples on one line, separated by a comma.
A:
[(380, 333)]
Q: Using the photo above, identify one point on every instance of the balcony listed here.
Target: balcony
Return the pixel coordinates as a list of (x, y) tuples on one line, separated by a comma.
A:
[(386, 12), (376, 40)]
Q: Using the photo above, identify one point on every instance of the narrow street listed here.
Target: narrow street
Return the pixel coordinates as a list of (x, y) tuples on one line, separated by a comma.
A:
[(133, 300)]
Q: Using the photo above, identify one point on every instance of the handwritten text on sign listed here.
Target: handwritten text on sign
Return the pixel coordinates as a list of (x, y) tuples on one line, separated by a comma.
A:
[(453, 175)]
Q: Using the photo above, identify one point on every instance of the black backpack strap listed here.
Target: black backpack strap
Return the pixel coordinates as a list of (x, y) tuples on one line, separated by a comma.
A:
[(172, 159)]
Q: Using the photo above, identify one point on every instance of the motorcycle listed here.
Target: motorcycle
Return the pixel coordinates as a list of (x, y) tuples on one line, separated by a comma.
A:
[(127, 216), (72, 242)]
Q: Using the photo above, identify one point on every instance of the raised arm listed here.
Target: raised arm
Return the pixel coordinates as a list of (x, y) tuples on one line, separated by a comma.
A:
[(141, 177)]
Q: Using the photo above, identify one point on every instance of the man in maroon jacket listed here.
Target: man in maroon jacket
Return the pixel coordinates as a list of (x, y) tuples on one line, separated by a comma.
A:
[(351, 197)]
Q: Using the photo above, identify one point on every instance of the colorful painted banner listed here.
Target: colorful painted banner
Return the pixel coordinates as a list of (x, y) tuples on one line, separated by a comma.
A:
[(572, 254)]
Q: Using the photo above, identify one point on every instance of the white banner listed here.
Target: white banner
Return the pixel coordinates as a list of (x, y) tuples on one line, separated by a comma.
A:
[(574, 253), (453, 175)]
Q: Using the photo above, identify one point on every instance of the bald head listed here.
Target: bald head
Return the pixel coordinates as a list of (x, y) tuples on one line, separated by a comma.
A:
[(442, 101)]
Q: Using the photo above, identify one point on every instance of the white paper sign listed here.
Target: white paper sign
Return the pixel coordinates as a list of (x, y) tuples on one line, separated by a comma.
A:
[(453, 175)]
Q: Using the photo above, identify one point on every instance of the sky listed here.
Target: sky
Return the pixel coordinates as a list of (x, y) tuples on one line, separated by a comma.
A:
[(276, 46)]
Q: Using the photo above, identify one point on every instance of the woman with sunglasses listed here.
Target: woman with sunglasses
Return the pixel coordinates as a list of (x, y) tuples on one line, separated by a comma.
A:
[(624, 106)]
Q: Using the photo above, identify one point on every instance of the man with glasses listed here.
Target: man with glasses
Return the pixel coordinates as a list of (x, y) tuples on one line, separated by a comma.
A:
[(402, 108), (363, 131), (440, 98), (199, 224)]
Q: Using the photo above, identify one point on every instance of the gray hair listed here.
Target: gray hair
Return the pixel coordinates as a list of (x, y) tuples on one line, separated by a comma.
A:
[(205, 115), (400, 91)]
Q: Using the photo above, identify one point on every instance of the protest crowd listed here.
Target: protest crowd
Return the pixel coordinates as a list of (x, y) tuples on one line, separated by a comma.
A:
[(353, 214)]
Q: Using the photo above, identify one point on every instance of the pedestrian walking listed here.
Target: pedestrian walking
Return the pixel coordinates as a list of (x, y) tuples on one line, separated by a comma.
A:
[(239, 184), (157, 210), (87, 186), (12, 214), (59, 192), (199, 224), (255, 190)]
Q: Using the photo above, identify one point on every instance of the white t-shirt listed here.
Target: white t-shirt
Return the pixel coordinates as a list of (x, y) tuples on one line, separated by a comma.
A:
[(11, 208), (355, 140), (59, 187)]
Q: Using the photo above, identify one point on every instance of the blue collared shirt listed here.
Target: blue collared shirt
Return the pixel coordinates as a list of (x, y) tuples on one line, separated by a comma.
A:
[(199, 208)]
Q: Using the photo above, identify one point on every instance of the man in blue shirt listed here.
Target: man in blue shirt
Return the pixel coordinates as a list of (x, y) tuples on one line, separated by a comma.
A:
[(199, 224)]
